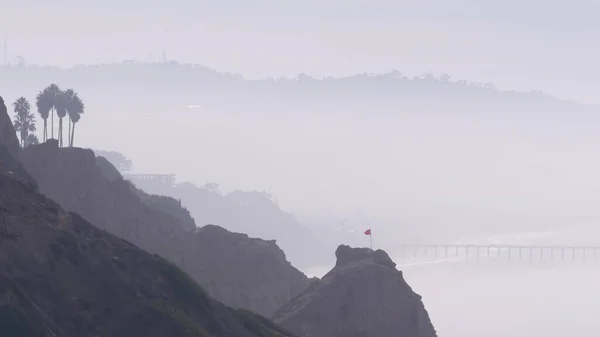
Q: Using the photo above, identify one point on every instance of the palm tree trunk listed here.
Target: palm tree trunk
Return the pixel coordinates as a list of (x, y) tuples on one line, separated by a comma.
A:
[(52, 124), (45, 129), (69, 133), (60, 144), (72, 134)]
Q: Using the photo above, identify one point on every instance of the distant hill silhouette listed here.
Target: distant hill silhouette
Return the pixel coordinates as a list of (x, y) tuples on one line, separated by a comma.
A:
[(173, 85)]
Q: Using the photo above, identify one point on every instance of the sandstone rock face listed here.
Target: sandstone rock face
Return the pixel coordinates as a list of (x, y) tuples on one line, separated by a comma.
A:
[(253, 213), (242, 272), (9, 146), (362, 296), (62, 277), (8, 136), (107, 169), (269, 280)]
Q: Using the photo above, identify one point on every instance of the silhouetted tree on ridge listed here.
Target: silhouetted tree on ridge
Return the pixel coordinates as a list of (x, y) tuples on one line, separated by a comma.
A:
[(52, 92), (74, 107), (24, 120), (62, 100), (75, 110), (51, 99), (44, 105)]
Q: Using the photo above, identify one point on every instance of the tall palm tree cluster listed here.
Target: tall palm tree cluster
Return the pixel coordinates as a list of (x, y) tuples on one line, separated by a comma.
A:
[(50, 100), (24, 122)]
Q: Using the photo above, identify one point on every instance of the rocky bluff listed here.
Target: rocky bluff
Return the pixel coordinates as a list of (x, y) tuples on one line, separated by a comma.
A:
[(9, 148), (236, 270), (8, 136), (62, 277), (364, 295)]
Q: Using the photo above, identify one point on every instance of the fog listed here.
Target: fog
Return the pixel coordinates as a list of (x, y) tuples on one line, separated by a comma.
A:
[(446, 173), (534, 44), (414, 175)]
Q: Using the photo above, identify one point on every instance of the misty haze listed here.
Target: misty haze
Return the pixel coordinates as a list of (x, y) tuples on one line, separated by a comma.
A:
[(341, 168)]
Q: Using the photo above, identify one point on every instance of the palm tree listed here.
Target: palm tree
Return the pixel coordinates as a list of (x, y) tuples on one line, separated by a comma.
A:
[(69, 97), (45, 103), (51, 94), (62, 101), (75, 118), (75, 108), (24, 119)]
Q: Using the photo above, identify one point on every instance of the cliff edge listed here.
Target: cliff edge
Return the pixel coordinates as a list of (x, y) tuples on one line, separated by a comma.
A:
[(62, 277), (364, 295), (230, 266), (245, 272), (8, 136)]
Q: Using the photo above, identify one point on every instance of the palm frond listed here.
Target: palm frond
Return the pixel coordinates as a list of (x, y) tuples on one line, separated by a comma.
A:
[(44, 103)]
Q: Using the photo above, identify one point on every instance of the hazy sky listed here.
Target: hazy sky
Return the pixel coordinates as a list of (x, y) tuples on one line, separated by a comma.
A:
[(436, 170), (526, 44)]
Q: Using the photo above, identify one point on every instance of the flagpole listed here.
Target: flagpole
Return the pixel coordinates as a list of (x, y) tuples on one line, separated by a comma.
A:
[(368, 232)]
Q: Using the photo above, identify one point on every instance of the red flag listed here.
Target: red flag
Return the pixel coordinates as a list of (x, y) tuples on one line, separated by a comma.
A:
[(368, 231)]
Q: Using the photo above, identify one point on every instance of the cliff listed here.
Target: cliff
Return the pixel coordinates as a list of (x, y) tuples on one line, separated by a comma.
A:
[(253, 213), (62, 277), (362, 296), (73, 178), (167, 205), (254, 269), (8, 136)]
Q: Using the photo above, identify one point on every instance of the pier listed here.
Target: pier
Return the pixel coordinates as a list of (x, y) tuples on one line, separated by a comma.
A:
[(506, 252)]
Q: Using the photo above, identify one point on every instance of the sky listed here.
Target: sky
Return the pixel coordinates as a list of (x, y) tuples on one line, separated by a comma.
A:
[(430, 171), (522, 45)]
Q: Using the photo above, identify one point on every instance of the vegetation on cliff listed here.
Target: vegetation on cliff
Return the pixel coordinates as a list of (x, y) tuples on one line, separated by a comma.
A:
[(49, 101)]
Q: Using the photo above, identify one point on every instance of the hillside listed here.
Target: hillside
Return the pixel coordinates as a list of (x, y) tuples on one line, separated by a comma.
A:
[(258, 277), (62, 277), (253, 213), (173, 85)]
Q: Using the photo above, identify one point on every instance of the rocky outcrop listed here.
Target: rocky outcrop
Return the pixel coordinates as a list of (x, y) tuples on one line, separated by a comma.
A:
[(8, 136), (62, 277), (253, 213), (9, 147), (362, 296), (269, 280), (107, 169), (167, 205), (73, 178)]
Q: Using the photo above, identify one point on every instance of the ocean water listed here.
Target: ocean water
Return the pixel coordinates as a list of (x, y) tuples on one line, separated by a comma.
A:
[(493, 297)]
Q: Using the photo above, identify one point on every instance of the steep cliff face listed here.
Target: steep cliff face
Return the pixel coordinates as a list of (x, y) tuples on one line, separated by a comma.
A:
[(253, 213), (269, 280), (362, 296), (72, 177), (8, 136), (167, 205), (62, 277)]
